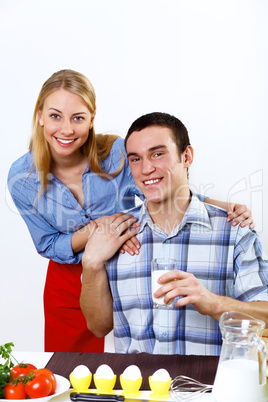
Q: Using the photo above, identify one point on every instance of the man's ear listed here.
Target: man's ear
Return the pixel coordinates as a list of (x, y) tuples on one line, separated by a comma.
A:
[(188, 156)]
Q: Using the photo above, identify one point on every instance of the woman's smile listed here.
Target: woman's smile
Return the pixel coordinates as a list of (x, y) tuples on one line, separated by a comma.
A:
[(65, 142), (66, 120)]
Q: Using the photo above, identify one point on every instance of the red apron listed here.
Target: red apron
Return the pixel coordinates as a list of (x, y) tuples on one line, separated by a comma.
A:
[(65, 325)]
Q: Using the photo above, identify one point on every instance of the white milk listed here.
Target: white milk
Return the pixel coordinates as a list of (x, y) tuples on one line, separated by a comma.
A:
[(159, 300), (237, 380)]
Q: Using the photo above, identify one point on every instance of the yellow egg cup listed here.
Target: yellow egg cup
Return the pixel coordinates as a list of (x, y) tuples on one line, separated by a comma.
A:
[(105, 385), (160, 389), (81, 384), (130, 387)]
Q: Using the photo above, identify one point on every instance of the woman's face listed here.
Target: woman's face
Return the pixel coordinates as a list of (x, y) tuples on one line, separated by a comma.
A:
[(66, 120)]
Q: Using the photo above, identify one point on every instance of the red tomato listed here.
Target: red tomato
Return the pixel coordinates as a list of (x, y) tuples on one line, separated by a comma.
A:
[(22, 369), (13, 391), (50, 376), (39, 387)]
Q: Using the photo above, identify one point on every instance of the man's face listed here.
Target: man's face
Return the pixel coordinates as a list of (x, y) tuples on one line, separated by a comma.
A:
[(156, 166)]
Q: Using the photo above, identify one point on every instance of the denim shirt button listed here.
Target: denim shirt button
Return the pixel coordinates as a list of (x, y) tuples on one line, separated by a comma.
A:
[(86, 216)]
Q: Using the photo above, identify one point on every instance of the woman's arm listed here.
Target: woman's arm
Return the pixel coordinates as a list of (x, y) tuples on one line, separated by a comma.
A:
[(50, 227), (80, 237), (237, 213), (48, 240)]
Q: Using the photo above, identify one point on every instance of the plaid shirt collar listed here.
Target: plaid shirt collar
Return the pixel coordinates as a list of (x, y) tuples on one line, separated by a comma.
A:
[(196, 213)]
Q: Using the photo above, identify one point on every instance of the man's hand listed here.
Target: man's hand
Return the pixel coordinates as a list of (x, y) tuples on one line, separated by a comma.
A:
[(108, 235), (186, 286)]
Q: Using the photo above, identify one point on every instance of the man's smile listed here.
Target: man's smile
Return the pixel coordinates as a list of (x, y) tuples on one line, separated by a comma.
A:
[(151, 181)]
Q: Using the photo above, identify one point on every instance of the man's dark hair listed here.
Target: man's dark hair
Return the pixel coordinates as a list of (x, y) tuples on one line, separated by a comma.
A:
[(179, 131)]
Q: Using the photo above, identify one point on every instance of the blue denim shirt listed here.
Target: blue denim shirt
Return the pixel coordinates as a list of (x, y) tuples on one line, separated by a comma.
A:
[(56, 214)]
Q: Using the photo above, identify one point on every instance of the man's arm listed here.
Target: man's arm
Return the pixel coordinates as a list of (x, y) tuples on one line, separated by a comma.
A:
[(96, 299), (186, 285), (251, 272), (257, 309)]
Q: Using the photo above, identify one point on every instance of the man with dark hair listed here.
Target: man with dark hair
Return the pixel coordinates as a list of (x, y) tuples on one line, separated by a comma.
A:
[(177, 128), (220, 267)]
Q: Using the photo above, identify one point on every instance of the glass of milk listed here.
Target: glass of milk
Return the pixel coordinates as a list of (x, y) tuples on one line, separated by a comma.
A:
[(160, 266)]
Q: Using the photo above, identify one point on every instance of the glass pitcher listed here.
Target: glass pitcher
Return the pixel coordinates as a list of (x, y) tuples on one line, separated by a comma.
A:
[(241, 373)]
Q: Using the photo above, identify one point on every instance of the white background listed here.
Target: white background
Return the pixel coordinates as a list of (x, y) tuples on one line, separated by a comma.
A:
[(206, 61)]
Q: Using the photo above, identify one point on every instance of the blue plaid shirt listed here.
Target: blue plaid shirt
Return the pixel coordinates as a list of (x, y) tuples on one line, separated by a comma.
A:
[(227, 260)]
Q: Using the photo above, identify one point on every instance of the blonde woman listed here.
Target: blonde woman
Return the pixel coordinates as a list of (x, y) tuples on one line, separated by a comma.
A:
[(69, 177)]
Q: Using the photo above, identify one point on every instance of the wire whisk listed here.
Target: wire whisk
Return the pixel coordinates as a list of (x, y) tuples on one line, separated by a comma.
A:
[(181, 384)]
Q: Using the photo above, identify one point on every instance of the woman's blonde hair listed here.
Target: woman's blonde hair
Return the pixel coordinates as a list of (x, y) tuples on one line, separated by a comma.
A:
[(96, 148)]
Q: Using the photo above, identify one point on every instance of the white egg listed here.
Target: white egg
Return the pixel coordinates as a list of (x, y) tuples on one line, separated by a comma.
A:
[(132, 373), (81, 371), (104, 371), (161, 375)]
